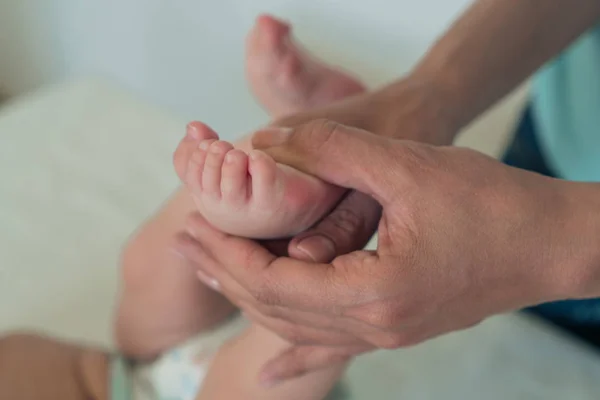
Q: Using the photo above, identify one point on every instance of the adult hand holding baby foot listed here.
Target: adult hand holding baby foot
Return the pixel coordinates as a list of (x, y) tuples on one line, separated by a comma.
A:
[(252, 197), (460, 236), (459, 240)]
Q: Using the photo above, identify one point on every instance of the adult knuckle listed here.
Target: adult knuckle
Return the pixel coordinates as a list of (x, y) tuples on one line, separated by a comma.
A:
[(391, 314), (336, 356), (393, 341), (293, 335), (381, 318), (322, 132), (418, 158), (252, 260), (346, 221), (405, 310), (322, 127)]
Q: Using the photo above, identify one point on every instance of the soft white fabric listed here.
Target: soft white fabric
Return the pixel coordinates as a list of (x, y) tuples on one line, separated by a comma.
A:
[(82, 165), (179, 373)]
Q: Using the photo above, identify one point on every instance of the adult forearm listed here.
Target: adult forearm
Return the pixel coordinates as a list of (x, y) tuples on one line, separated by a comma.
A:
[(496, 45)]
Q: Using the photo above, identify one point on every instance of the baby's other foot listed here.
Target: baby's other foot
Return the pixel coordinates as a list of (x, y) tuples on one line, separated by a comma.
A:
[(249, 194), (284, 77)]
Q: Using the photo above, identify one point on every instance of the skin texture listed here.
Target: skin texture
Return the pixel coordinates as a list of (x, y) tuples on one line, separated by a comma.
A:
[(424, 279), (486, 53)]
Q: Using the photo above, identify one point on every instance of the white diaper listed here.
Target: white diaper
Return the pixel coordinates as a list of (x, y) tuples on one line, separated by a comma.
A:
[(179, 373)]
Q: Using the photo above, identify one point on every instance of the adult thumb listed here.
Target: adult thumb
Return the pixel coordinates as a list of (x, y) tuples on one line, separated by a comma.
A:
[(344, 156)]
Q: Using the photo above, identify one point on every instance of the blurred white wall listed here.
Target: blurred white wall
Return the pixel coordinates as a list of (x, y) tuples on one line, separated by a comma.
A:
[(188, 54)]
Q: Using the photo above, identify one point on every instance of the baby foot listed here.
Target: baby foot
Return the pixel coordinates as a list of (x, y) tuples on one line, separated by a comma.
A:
[(284, 77), (195, 133), (249, 194)]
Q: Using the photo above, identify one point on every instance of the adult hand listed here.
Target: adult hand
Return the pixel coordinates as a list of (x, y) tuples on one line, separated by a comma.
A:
[(413, 108), (461, 237)]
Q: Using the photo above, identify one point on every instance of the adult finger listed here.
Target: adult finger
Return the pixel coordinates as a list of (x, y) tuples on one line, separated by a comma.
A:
[(191, 249), (298, 333), (347, 228), (270, 280), (278, 247), (347, 157), (295, 326), (298, 361)]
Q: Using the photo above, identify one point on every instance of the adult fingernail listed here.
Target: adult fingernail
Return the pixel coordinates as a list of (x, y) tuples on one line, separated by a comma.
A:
[(270, 136), (317, 248), (208, 280)]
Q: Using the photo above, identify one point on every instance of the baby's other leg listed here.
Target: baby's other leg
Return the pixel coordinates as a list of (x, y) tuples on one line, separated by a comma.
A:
[(285, 78), (162, 302), (235, 370), (36, 367)]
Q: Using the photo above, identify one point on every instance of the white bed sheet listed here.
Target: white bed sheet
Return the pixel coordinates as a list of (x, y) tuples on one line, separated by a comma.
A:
[(81, 165)]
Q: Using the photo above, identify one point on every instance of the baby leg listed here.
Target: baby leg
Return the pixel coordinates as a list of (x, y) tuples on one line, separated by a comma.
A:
[(161, 301), (234, 372), (35, 367)]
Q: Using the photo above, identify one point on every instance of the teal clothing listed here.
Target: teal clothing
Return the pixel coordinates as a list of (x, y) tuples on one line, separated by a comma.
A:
[(559, 135), (566, 107), (120, 379)]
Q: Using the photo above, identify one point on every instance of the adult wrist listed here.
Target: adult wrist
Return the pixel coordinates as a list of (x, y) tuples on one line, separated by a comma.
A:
[(448, 76), (413, 108), (576, 266)]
